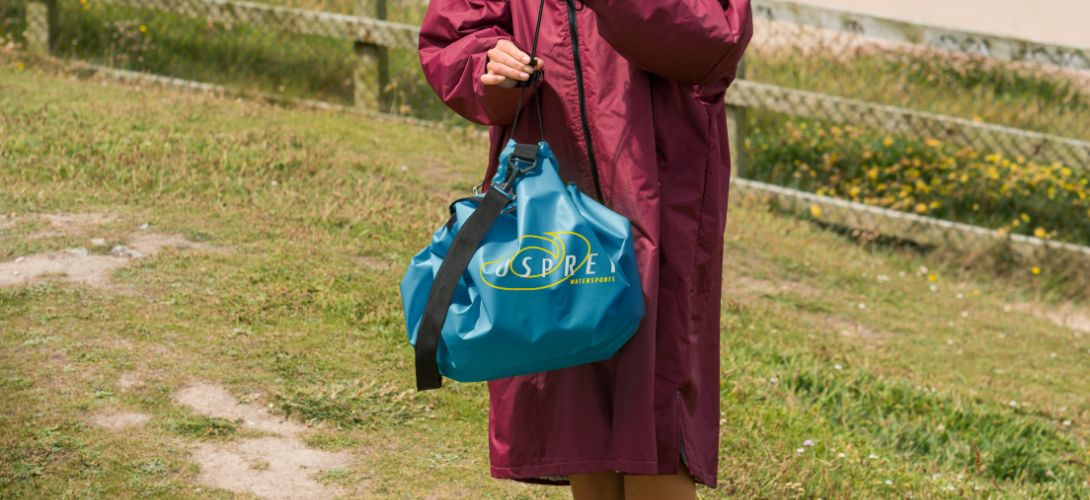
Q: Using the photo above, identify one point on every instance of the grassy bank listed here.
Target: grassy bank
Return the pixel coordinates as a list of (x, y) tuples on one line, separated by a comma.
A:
[(972, 88), (240, 56), (313, 67), (845, 371), (915, 174), (922, 175)]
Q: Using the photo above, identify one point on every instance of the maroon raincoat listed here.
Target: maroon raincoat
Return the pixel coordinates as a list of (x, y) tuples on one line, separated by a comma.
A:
[(655, 73)]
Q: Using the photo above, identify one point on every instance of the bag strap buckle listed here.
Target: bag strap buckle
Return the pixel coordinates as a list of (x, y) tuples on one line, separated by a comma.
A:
[(522, 160)]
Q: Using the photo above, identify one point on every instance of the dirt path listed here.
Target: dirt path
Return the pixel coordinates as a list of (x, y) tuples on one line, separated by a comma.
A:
[(280, 466), (276, 466), (91, 264)]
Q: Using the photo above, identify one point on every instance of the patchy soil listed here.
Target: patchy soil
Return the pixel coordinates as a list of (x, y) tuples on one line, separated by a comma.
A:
[(855, 330), (78, 264), (738, 287), (276, 467), (374, 263), (1067, 316), (72, 224), (279, 466), (58, 224), (214, 401), (118, 420), (130, 381), (269, 467)]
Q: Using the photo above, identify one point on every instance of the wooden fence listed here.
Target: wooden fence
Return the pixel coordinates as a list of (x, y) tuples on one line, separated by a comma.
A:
[(372, 35)]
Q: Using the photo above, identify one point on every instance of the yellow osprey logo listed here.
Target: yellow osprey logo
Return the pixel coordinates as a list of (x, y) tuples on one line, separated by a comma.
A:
[(543, 261)]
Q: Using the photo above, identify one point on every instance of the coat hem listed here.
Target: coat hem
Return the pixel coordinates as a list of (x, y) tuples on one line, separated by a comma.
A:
[(556, 474)]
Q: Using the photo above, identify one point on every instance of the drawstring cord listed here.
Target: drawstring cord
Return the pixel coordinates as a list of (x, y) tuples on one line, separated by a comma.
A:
[(533, 78)]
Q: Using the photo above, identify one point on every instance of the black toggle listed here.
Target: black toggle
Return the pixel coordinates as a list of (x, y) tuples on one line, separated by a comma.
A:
[(534, 78)]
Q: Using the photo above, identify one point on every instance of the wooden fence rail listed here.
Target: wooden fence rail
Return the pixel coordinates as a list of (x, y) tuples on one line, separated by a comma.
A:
[(287, 19), (923, 230)]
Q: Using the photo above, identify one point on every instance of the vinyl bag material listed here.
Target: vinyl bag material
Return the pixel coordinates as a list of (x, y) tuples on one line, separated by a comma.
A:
[(539, 277)]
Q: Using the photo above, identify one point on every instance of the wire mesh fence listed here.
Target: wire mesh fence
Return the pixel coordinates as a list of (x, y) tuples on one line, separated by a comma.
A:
[(927, 122), (282, 49), (13, 17)]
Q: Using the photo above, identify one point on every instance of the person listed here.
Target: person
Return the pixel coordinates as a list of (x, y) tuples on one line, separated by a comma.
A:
[(644, 131)]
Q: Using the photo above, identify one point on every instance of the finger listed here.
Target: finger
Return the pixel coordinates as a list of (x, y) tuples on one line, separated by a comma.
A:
[(503, 70), (508, 60), (498, 81), (513, 51), (489, 79)]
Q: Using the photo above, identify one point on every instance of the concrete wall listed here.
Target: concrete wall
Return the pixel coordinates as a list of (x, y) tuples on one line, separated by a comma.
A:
[(1061, 22)]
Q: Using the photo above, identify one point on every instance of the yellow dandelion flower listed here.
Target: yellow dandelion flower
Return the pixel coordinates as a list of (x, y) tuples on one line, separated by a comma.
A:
[(932, 142), (888, 141), (1024, 216), (1035, 270), (815, 211), (143, 29), (1040, 233), (921, 208), (932, 277)]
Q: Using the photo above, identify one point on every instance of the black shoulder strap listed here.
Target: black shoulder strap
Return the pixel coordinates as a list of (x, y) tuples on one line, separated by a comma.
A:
[(446, 281), (465, 245), (461, 251)]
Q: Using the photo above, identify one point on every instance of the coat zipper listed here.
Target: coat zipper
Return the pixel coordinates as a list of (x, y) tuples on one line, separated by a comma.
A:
[(582, 99)]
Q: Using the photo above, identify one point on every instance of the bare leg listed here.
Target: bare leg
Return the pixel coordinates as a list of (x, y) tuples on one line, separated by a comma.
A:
[(597, 486), (679, 486)]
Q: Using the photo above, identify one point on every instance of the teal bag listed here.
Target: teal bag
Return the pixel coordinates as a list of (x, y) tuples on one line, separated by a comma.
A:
[(533, 276)]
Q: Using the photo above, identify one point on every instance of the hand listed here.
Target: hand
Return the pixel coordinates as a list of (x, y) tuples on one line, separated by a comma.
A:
[(507, 65)]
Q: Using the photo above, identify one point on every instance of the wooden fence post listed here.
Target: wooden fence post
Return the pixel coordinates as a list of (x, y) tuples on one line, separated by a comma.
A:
[(736, 130), (41, 22), (371, 75)]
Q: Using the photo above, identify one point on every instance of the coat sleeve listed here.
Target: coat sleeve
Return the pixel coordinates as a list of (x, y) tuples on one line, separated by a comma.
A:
[(691, 42), (455, 37)]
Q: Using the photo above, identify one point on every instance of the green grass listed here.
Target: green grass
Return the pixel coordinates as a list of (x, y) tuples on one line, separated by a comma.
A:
[(243, 57), (290, 66), (262, 61), (973, 88), (922, 175), (313, 67), (314, 215)]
